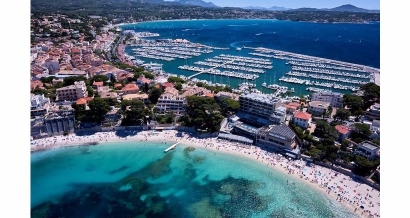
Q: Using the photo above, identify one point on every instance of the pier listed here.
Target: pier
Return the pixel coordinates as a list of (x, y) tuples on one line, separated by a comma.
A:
[(208, 70), (172, 147)]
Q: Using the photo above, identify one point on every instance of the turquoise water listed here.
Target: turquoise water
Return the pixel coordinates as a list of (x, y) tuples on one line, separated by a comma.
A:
[(353, 43), (133, 178)]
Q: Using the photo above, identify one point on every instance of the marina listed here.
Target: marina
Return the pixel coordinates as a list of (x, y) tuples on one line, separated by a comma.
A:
[(299, 73)]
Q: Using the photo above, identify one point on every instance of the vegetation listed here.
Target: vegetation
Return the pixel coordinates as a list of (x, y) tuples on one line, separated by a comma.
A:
[(203, 114), (135, 112), (121, 11), (154, 95), (364, 167), (214, 89), (358, 104), (360, 132), (228, 106), (342, 114), (174, 79)]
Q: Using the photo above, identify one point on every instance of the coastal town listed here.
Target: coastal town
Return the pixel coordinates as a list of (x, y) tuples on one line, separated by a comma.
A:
[(85, 90)]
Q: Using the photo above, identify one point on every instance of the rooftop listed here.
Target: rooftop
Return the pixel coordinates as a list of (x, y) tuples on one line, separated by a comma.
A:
[(235, 137), (342, 129), (321, 104), (369, 145), (279, 131), (266, 98), (303, 115)]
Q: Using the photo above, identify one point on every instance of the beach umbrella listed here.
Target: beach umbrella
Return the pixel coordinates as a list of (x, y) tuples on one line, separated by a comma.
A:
[(362, 207)]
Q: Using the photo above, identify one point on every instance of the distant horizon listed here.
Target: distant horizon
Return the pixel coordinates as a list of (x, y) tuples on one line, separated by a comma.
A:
[(295, 4)]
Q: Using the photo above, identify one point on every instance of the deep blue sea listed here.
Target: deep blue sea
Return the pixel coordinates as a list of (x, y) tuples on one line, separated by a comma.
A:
[(136, 179), (353, 43)]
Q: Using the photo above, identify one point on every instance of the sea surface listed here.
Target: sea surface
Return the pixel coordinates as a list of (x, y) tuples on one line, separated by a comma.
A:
[(137, 179), (353, 43)]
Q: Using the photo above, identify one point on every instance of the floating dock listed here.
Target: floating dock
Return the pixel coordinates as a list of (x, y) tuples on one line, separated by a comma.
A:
[(172, 147)]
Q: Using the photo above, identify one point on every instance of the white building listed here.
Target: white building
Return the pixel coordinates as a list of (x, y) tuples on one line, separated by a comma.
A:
[(318, 107), (373, 112), (170, 101), (278, 116), (302, 119), (259, 105), (368, 150), (39, 105), (73, 92), (333, 98)]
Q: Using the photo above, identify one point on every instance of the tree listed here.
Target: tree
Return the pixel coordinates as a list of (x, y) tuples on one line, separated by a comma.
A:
[(146, 87), (68, 81), (154, 94), (354, 102), (48, 79), (360, 132), (98, 108), (342, 114), (371, 92), (178, 86), (204, 113), (228, 105), (326, 131), (174, 79), (90, 91), (100, 78), (364, 166), (135, 114)]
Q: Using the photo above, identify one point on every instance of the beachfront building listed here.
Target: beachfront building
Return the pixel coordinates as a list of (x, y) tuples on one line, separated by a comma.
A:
[(368, 150), (240, 128), (58, 124), (73, 92), (39, 105), (318, 107), (278, 116), (373, 113), (257, 108), (171, 101), (280, 138), (302, 119), (335, 99)]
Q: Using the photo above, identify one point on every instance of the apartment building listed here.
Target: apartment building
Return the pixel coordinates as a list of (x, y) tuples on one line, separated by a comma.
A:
[(73, 92)]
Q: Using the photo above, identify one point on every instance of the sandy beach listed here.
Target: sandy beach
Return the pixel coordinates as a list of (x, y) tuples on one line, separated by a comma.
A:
[(346, 190)]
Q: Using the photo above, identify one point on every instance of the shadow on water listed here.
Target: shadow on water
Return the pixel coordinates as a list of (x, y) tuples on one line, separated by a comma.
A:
[(118, 170)]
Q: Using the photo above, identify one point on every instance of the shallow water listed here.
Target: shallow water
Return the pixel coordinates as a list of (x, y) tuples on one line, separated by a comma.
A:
[(134, 179)]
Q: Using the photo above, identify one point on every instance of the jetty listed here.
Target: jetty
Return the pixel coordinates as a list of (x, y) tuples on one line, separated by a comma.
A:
[(172, 147)]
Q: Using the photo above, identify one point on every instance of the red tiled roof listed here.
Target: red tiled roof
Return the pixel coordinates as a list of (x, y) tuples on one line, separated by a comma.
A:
[(168, 84), (81, 101), (209, 95), (117, 85), (130, 87), (303, 115), (342, 129), (294, 104), (98, 83)]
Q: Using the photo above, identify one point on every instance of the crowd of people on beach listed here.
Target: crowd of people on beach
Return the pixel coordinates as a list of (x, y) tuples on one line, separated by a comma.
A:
[(361, 198)]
